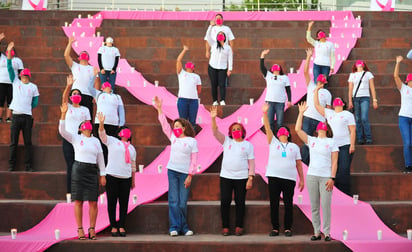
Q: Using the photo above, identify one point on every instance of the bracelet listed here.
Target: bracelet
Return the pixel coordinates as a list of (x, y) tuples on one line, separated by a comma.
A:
[(250, 177), (265, 112), (375, 100), (332, 178), (190, 175)]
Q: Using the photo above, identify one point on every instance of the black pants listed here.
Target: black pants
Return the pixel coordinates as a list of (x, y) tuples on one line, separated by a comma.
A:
[(87, 101), (117, 189), (68, 153), (22, 123), (342, 181), (218, 78), (111, 130), (287, 187), (227, 186)]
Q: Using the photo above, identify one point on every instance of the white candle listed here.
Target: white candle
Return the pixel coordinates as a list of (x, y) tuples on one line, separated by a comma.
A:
[(57, 234), (141, 166)]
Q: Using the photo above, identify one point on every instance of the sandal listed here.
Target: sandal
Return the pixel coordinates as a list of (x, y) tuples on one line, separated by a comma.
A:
[(115, 233), (274, 232), (81, 237), (92, 237)]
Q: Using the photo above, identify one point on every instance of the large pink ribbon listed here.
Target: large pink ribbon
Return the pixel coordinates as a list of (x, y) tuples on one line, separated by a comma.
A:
[(126, 152)]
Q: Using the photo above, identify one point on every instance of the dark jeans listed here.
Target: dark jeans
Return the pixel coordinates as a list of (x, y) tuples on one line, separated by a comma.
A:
[(117, 189), (227, 186), (319, 69), (6, 94), (68, 153), (405, 126), (87, 101), (111, 78), (111, 130), (22, 123), (363, 128), (342, 181), (275, 108), (177, 199), (309, 127), (287, 187), (188, 109), (218, 78)]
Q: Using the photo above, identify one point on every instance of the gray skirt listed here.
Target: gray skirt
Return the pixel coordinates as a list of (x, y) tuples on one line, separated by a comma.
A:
[(85, 181)]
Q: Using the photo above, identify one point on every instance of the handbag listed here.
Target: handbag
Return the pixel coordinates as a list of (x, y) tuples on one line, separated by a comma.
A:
[(352, 110)]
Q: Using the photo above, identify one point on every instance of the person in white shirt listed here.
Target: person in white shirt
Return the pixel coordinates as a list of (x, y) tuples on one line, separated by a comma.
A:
[(277, 87), (120, 172), (220, 64), (321, 173), (189, 89), (311, 117), (405, 113), (216, 26), (284, 164), (180, 169), (83, 75), (237, 172), (85, 179), (76, 114), (108, 59), (6, 87), (324, 62), (25, 98), (360, 82), (343, 127)]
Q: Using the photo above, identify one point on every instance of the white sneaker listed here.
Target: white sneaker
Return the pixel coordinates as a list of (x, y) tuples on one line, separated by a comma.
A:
[(222, 103), (189, 233), (174, 233), (215, 103)]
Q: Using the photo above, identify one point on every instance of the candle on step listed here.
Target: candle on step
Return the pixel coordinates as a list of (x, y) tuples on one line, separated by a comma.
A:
[(13, 232), (199, 167), (159, 168), (156, 83), (102, 198), (80, 16), (66, 24), (57, 234), (345, 235), (134, 199), (141, 166), (239, 119)]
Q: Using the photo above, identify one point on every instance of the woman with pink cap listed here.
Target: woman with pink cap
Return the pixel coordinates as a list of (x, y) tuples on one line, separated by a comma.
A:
[(75, 115), (284, 164), (405, 113), (108, 59), (324, 61), (277, 91), (88, 155), (189, 89), (360, 82), (321, 173), (342, 123), (237, 172), (120, 171)]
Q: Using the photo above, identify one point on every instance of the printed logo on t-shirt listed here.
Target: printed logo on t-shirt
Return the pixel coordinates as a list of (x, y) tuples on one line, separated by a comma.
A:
[(327, 146), (313, 145), (230, 147), (95, 146), (81, 143)]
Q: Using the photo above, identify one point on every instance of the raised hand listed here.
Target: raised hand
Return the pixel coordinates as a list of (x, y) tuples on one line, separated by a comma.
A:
[(213, 112), (302, 107), (264, 53), (399, 59), (10, 46), (63, 108), (2, 36), (309, 52), (185, 48), (310, 24), (158, 102), (71, 39), (101, 117), (69, 80)]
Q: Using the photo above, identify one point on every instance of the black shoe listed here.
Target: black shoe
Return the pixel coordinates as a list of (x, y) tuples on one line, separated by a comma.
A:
[(361, 142), (122, 234), (369, 142), (288, 233), (274, 233), (327, 238), (315, 238), (8, 120), (115, 234), (11, 168), (29, 168)]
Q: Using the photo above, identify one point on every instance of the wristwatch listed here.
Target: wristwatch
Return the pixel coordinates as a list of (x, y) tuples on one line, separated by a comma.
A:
[(332, 178)]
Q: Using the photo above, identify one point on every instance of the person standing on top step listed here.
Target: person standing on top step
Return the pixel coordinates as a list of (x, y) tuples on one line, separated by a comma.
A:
[(237, 172), (216, 26), (324, 61), (360, 82), (405, 113), (83, 75), (277, 91), (108, 59), (180, 169), (6, 87), (25, 98), (189, 89)]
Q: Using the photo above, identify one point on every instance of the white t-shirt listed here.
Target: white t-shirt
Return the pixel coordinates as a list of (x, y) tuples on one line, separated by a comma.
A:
[(221, 58), (75, 116), (4, 73), (23, 96), (282, 160), (82, 76), (323, 52), (214, 30), (116, 163), (325, 98), (406, 101), (235, 159), (188, 83), (320, 151), (275, 91), (108, 104), (340, 122), (109, 54), (181, 153), (364, 86)]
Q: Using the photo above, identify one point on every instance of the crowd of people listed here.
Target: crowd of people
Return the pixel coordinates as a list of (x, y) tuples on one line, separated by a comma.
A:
[(101, 154)]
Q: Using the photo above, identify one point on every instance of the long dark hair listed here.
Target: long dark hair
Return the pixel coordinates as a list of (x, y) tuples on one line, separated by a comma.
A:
[(219, 46)]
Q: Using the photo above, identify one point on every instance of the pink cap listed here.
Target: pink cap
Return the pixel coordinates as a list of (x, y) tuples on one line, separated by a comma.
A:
[(321, 78), (125, 133), (282, 132), (275, 67), (190, 65), (84, 56), (25, 72), (359, 63), (408, 78), (322, 126), (86, 126), (220, 37), (321, 34), (12, 53), (106, 85), (337, 102)]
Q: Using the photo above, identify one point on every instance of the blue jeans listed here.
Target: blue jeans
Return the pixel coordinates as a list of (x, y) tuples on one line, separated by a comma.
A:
[(188, 109), (342, 181), (319, 69), (309, 127), (111, 78), (275, 108), (405, 125), (178, 196), (363, 129)]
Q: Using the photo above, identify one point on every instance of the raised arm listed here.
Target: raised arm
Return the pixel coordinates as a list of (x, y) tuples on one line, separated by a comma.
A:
[(10, 69), (216, 133), (209, 38), (66, 92), (102, 131), (309, 53), (167, 130), (398, 81), (266, 124), (262, 62), (309, 35), (298, 127), (67, 51), (179, 65), (62, 127), (318, 107)]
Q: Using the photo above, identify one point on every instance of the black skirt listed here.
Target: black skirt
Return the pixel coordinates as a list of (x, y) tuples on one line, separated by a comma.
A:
[(85, 181)]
